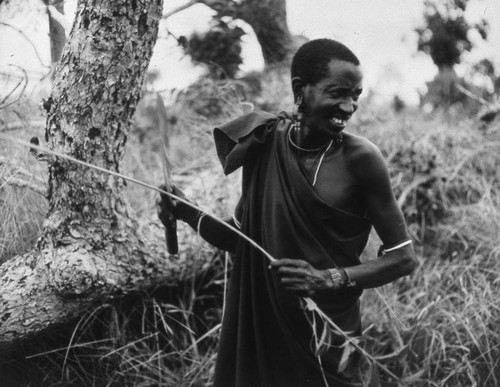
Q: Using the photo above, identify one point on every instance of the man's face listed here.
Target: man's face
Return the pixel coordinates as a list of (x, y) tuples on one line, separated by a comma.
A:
[(330, 103)]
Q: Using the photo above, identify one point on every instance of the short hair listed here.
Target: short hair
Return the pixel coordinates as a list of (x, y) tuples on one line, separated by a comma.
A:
[(310, 62)]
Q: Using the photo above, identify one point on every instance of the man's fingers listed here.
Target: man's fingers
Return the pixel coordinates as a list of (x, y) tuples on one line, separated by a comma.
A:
[(289, 262), (291, 281), (163, 188), (290, 271)]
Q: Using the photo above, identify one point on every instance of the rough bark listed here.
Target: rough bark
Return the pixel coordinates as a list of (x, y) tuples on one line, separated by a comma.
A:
[(90, 247), (268, 20)]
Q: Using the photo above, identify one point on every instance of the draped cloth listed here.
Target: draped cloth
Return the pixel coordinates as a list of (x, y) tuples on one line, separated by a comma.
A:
[(266, 338)]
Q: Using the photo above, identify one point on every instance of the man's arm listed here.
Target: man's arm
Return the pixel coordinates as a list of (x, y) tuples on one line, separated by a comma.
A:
[(210, 229), (368, 168), (371, 172), (215, 232)]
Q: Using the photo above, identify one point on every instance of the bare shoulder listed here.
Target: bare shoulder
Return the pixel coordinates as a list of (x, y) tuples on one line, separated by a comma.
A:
[(364, 158), (360, 149)]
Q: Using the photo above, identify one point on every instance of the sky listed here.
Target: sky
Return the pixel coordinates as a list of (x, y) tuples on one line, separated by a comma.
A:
[(380, 32)]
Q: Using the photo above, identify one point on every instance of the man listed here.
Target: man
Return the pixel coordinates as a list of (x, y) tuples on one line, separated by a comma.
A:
[(310, 195)]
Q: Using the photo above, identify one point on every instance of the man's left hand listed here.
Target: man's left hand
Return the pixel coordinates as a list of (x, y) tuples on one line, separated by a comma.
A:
[(301, 277)]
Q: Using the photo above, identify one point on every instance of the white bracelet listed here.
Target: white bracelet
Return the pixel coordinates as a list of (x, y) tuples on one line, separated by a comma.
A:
[(405, 243)]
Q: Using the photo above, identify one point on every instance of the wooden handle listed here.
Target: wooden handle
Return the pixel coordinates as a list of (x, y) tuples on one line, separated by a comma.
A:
[(171, 237)]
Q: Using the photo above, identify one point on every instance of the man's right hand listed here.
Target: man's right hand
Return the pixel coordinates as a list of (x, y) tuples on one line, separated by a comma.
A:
[(169, 209)]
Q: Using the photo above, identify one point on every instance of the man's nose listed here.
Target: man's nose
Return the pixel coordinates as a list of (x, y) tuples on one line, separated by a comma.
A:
[(349, 105)]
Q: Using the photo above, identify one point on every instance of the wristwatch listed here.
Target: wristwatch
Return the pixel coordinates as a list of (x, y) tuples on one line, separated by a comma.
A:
[(337, 278), (340, 278)]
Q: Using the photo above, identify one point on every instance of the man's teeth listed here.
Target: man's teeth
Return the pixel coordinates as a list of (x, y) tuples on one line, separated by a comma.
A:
[(338, 121)]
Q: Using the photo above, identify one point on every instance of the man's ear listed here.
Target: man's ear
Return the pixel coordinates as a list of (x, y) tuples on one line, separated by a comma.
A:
[(297, 87)]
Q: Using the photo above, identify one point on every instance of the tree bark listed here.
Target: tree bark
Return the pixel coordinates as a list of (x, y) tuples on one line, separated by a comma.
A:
[(90, 247)]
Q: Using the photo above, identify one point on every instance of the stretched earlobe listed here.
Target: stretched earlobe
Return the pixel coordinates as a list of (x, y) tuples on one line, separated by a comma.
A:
[(297, 86), (297, 112)]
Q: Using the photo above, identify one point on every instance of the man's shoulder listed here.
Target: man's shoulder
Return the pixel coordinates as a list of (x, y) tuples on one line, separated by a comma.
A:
[(364, 159), (360, 149)]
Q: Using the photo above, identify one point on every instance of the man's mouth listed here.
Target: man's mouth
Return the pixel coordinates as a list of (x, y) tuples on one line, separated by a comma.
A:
[(339, 121)]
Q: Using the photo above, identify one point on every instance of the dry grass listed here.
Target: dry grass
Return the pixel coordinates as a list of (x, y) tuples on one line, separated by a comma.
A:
[(440, 324), (447, 172)]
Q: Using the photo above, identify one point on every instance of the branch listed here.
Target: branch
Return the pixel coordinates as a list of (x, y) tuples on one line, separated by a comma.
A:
[(23, 83), (226, 8), (10, 126), (472, 95), (14, 169), (20, 183), (60, 18), (28, 40), (181, 8)]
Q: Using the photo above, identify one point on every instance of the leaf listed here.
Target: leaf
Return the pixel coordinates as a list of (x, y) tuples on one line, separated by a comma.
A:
[(349, 349), (396, 355), (373, 376), (416, 377)]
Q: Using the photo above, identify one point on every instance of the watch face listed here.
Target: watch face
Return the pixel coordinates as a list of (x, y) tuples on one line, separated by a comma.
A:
[(337, 278)]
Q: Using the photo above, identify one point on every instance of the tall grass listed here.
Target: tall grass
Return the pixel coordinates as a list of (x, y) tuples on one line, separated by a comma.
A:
[(446, 174), (438, 327), (22, 182)]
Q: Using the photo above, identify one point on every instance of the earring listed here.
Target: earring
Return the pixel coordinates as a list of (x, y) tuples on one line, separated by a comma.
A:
[(297, 113)]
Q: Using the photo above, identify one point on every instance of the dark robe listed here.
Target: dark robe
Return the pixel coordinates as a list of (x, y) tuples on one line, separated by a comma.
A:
[(266, 339)]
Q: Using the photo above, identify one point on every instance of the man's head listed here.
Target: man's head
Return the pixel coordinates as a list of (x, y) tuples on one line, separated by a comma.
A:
[(310, 62), (326, 83)]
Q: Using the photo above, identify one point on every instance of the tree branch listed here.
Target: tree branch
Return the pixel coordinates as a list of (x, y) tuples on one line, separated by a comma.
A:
[(14, 169), (10, 126), (20, 183), (60, 18), (23, 82), (223, 8), (28, 40), (181, 8)]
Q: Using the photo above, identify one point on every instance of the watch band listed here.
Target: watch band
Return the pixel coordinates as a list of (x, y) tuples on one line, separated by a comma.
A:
[(349, 283), (340, 278)]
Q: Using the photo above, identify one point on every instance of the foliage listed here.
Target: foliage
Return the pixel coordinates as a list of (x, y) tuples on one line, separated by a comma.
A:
[(219, 49), (486, 77), (444, 35)]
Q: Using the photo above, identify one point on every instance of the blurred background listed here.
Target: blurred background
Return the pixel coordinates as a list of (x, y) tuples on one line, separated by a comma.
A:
[(393, 41)]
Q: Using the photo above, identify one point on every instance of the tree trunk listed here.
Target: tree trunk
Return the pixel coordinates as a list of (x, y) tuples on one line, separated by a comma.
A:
[(90, 246), (268, 20), (57, 36)]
